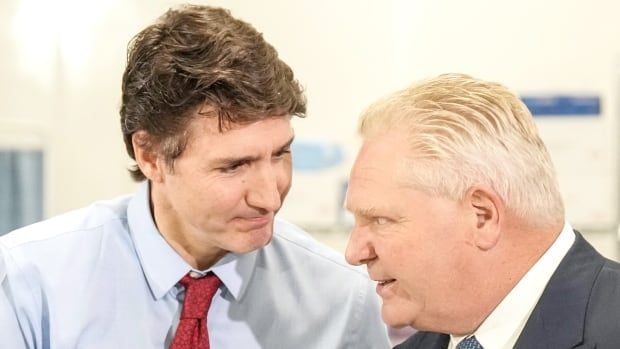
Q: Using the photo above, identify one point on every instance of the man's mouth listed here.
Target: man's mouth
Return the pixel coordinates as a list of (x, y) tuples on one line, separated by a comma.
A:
[(254, 222), (385, 282), (384, 287)]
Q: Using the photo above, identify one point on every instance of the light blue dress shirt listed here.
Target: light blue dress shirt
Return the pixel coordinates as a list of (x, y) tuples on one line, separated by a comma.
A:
[(103, 277)]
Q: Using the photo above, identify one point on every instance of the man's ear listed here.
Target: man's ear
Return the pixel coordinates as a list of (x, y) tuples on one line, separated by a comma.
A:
[(146, 156), (487, 213)]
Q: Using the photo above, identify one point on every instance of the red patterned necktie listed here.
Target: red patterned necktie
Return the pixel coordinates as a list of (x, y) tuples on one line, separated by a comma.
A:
[(192, 330)]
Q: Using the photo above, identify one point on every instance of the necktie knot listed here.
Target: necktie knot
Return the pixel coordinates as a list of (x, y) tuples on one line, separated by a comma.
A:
[(469, 343), (192, 330), (199, 293)]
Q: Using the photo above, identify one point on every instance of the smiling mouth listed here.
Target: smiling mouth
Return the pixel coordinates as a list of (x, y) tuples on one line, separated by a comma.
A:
[(254, 222), (257, 218)]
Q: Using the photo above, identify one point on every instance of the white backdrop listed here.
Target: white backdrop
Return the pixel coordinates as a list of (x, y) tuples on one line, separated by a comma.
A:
[(64, 96)]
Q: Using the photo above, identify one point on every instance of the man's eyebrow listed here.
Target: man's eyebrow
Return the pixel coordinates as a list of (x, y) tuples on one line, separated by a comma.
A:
[(365, 212), (285, 145), (230, 161)]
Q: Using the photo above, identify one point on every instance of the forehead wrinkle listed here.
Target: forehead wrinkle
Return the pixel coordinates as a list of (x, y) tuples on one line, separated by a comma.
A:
[(359, 203), (397, 178), (361, 172)]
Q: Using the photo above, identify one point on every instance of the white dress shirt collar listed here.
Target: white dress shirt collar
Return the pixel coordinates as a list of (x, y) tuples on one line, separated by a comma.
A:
[(502, 327)]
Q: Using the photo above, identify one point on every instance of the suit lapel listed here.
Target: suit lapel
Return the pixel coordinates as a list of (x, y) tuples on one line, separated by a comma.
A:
[(425, 340), (558, 319), (440, 341)]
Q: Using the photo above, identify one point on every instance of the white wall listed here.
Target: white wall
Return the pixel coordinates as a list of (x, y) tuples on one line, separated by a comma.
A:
[(346, 53)]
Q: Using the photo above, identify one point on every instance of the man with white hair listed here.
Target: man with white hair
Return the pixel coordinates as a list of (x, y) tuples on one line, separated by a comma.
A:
[(459, 219)]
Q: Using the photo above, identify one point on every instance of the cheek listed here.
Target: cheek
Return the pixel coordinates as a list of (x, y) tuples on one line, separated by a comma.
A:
[(284, 178), (283, 188), (224, 197), (396, 256), (410, 261)]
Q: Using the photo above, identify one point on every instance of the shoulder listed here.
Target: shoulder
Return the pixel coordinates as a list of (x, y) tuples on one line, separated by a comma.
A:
[(325, 290), (595, 271), (292, 242), (602, 321), (61, 233), (606, 288), (86, 218)]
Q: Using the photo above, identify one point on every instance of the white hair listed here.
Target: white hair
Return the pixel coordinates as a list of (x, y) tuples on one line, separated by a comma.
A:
[(464, 132)]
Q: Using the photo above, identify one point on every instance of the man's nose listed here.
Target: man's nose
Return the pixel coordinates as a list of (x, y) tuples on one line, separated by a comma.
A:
[(264, 193), (359, 248)]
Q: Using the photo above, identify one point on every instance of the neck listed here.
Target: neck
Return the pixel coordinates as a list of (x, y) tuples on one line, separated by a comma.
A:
[(191, 244), (501, 268)]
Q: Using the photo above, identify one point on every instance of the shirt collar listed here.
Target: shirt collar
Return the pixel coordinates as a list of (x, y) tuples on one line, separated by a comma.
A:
[(502, 327), (163, 267), (235, 271)]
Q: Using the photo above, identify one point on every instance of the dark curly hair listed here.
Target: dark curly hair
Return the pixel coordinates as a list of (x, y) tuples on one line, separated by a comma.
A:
[(195, 56)]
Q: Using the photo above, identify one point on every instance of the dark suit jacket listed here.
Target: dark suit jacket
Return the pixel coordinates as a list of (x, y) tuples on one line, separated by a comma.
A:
[(579, 308)]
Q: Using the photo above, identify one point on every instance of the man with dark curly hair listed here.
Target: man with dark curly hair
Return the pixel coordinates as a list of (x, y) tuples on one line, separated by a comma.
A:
[(196, 258)]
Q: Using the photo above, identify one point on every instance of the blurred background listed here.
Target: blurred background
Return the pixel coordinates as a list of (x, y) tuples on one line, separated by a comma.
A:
[(61, 63)]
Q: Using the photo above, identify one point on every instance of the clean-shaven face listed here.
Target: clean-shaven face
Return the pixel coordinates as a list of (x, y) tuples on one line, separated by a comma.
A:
[(227, 186), (409, 240)]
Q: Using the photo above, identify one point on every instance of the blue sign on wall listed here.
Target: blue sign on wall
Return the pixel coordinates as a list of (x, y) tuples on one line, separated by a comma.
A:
[(563, 105), (314, 155)]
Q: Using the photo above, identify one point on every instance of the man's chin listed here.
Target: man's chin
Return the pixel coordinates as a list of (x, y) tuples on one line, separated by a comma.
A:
[(260, 243), (396, 317), (253, 240), (396, 324)]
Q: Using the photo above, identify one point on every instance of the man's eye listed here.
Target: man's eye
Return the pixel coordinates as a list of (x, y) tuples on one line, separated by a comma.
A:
[(282, 152), (232, 168)]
